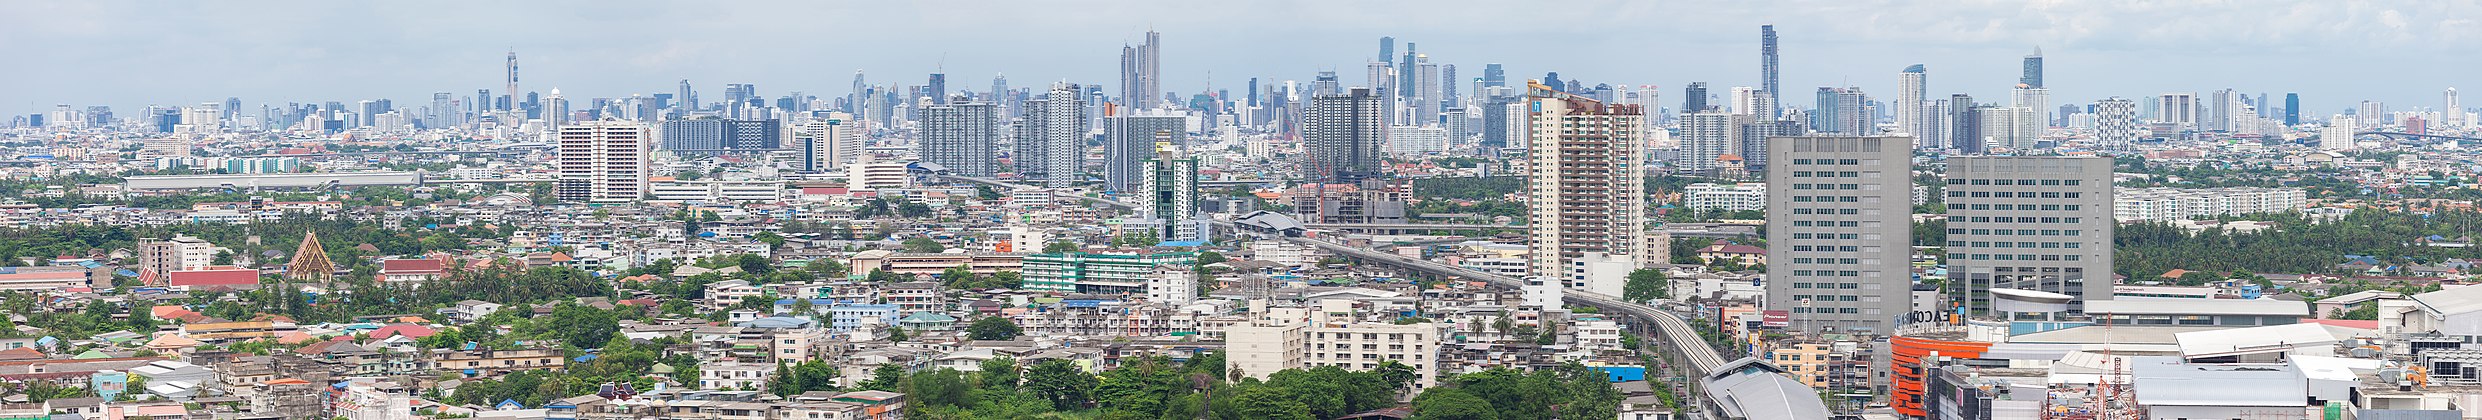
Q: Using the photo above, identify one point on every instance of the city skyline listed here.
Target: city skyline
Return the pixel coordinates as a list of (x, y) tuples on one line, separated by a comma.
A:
[(128, 55)]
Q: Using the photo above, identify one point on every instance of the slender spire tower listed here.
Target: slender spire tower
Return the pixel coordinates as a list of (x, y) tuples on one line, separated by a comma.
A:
[(512, 80), (310, 262)]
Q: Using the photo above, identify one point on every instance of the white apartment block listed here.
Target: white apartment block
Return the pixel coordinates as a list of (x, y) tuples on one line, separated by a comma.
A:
[(603, 162), (1746, 196), (2166, 204), (1295, 338)]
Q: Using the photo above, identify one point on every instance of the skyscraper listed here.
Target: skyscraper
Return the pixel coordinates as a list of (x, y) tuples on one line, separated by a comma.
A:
[(2041, 223), (1585, 185), (1836, 256), (1843, 111), (1493, 76), (1693, 98), (555, 110), (1141, 70), (1767, 67), (2180, 109), (2115, 122), (689, 99), (960, 136), (512, 80), (1342, 135), (1706, 137), (1965, 127), (2221, 107), (1170, 185), (1911, 89), (1051, 138), (2292, 109), (2338, 134), (1387, 49), (602, 161), (2033, 70), (937, 88), (2452, 113), (1129, 139)]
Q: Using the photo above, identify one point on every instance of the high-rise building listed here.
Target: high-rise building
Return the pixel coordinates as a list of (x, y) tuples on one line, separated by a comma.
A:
[(1754, 135), (1767, 67), (2178, 109), (2292, 109), (1964, 128), (1051, 138), (2040, 223), (602, 162), (1342, 135), (2037, 102), (2115, 122), (937, 88), (720, 135), (1838, 251), (1387, 49), (2372, 114), (1693, 98), (2033, 70), (1585, 184), (828, 144), (2338, 134), (2452, 113), (157, 258), (555, 111), (1129, 139), (1141, 71), (960, 136), (1494, 76), (1170, 183), (1910, 94), (1843, 111), (2222, 107), (1706, 137), (512, 80)]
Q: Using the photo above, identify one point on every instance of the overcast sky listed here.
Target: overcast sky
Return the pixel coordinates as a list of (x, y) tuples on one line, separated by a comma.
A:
[(130, 54)]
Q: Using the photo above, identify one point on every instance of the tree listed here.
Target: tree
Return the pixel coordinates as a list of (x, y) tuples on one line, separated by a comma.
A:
[(999, 373), (885, 378), (1062, 383), (1060, 247), (938, 387), (1398, 375), (770, 238), (925, 245), (1210, 257), (992, 328), (1646, 284), (1447, 403)]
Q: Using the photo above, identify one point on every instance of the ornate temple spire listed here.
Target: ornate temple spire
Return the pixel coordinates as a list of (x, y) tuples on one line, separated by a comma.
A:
[(310, 262)]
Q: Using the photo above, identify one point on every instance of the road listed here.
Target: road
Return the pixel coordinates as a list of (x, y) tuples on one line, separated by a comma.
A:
[(1673, 330)]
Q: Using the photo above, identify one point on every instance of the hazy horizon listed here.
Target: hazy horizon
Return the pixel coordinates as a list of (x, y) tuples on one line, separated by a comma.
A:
[(131, 54)]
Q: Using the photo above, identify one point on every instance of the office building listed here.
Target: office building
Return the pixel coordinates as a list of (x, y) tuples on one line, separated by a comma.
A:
[(1170, 185), (1130, 137), (2033, 70), (1910, 91), (1964, 127), (960, 136), (829, 144), (2041, 223), (1141, 72), (1754, 134), (1342, 135), (2037, 104), (1693, 98), (2292, 109), (1051, 138), (1767, 67), (1840, 236), (602, 162), (719, 135), (1586, 182)]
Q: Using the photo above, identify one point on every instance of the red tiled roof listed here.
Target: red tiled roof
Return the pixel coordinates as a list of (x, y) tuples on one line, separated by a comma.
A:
[(216, 276), (408, 330), (419, 266)]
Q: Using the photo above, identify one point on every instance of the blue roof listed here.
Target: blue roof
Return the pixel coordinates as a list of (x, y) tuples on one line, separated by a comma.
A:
[(1082, 303), (585, 358), (1182, 243)]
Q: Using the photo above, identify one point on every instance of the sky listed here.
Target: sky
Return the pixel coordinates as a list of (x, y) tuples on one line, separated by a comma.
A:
[(128, 54)]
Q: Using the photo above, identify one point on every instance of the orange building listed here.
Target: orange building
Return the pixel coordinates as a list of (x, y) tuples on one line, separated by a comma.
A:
[(1905, 358)]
